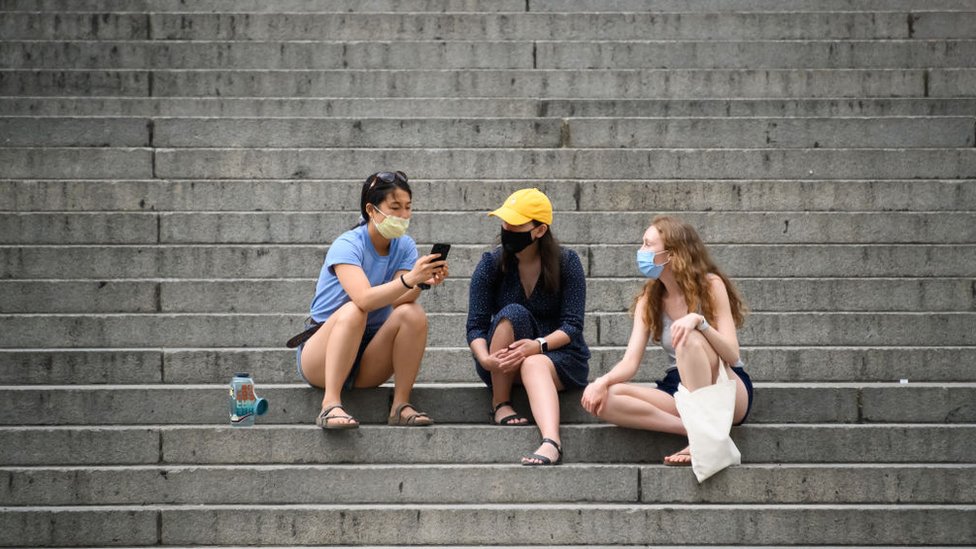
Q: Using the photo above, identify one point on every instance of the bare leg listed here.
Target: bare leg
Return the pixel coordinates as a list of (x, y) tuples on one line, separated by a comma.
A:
[(328, 355), (396, 349), (698, 366), (639, 407), (501, 384), (543, 386)]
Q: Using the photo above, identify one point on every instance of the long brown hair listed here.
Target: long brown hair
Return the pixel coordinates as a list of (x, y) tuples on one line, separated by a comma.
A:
[(549, 255), (691, 265)]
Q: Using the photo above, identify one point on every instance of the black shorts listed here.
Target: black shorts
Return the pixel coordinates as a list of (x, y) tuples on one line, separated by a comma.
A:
[(671, 379)]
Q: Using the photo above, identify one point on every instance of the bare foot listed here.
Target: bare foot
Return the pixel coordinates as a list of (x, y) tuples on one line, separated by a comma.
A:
[(680, 458)]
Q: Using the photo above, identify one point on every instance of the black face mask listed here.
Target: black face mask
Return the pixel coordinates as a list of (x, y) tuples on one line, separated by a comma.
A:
[(515, 242)]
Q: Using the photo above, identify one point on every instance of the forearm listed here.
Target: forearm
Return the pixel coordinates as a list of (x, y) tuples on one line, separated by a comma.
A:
[(557, 339), (727, 348), (393, 292), (622, 372), (479, 348)]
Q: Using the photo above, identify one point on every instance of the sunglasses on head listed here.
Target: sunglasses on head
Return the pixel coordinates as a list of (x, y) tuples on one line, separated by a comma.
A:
[(388, 177)]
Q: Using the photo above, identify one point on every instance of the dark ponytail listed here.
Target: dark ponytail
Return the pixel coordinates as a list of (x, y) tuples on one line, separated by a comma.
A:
[(377, 187)]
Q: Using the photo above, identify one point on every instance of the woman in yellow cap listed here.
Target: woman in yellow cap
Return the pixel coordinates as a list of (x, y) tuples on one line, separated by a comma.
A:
[(525, 319)]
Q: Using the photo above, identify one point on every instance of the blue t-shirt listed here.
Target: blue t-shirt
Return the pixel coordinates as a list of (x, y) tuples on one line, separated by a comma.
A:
[(354, 247)]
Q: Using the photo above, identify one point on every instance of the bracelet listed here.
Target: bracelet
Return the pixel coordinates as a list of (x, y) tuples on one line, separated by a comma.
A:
[(404, 281)]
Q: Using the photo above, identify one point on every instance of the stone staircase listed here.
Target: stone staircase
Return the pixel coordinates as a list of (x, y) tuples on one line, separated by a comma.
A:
[(171, 173)]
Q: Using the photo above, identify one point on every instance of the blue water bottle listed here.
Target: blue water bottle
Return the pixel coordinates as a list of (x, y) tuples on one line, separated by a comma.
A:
[(244, 404)]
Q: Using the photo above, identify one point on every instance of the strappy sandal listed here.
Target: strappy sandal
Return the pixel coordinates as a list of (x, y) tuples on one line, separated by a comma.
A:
[(324, 420), (507, 420), (419, 419), (544, 459)]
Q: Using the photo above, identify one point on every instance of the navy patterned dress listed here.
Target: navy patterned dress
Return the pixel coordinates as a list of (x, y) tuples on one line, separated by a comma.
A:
[(495, 295)]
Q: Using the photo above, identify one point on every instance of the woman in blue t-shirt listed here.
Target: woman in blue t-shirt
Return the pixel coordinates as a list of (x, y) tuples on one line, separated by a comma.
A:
[(370, 326), (525, 319)]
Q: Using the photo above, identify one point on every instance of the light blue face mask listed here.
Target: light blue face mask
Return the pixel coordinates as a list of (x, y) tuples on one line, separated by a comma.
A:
[(646, 265)]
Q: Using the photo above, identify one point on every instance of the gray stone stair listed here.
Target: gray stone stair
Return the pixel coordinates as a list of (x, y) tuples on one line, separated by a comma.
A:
[(171, 174), (463, 403)]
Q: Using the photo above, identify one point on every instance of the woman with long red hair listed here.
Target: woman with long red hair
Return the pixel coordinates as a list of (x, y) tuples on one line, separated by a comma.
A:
[(692, 309)]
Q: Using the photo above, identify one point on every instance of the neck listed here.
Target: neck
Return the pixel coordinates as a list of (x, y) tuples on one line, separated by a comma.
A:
[(380, 242), (529, 254), (670, 283)]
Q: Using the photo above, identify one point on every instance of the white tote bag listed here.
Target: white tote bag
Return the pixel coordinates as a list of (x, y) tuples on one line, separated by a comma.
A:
[(707, 416)]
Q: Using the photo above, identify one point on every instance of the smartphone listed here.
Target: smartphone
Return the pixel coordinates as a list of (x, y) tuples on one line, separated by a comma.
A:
[(442, 249)]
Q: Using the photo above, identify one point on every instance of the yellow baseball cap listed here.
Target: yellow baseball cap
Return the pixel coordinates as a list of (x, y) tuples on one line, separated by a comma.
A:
[(523, 206)]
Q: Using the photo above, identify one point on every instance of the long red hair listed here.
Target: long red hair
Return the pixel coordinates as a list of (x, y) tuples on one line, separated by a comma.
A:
[(691, 265)]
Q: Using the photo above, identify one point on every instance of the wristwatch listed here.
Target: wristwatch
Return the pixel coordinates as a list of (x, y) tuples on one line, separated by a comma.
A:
[(703, 325), (543, 344)]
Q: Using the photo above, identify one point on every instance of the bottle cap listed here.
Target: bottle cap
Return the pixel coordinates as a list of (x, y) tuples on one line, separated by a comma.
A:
[(261, 407), (242, 374)]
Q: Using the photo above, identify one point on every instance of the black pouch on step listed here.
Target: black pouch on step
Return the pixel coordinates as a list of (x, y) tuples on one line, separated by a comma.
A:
[(303, 337)]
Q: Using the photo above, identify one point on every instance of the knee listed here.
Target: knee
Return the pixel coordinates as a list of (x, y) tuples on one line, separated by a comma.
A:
[(514, 312), (411, 314), (694, 342), (351, 314), (534, 368)]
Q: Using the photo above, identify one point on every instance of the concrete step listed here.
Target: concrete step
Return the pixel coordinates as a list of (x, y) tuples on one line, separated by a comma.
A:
[(646, 195), (595, 84), (330, 484), (447, 329), (488, 26), (438, 524), (76, 163), (603, 295), (516, 163), (717, 133), (481, 107), (467, 228), (733, 5), (274, 261), (251, 6), (590, 84), (301, 444), (266, 163), (74, 82), (827, 54), (455, 365), (530, 26), (259, 6), (465, 403), (543, 54)]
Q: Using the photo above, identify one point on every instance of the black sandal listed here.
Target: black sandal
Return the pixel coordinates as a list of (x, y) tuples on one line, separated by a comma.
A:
[(506, 421), (545, 460)]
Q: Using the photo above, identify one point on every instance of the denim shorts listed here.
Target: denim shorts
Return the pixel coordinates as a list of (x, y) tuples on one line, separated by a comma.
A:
[(368, 336), (671, 379)]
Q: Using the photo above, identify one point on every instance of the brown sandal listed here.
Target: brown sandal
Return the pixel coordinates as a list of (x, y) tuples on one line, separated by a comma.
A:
[(323, 420), (419, 419)]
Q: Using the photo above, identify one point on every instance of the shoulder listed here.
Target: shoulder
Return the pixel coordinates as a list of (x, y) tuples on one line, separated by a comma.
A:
[(351, 237), (715, 282), (569, 258)]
